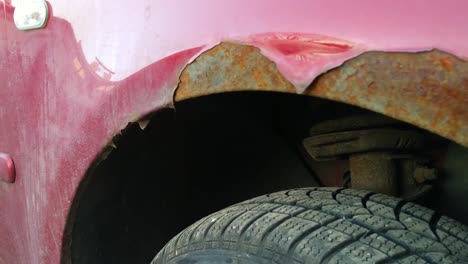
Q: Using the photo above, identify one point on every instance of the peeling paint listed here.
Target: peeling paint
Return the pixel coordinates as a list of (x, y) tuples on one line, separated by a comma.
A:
[(412, 87), (143, 124), (302, 57)]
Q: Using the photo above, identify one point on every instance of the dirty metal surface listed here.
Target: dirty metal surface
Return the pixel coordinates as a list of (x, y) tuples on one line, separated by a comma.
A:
[(374, 171), (231, 67), (353, 122), (335, 145), (426, 89), (382, 153)]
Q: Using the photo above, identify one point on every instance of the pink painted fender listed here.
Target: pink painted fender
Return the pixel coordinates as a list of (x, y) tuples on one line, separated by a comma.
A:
[(66, 89)]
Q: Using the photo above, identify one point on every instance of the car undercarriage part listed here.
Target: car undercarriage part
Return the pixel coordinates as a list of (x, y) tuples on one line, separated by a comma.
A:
[(382, 153)]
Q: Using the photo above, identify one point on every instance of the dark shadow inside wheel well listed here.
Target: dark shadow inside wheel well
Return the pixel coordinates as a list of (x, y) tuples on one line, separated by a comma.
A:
[(207, 154)]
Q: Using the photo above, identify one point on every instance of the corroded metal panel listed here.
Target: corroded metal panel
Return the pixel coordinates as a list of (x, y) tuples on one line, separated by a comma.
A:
[(427, 89)]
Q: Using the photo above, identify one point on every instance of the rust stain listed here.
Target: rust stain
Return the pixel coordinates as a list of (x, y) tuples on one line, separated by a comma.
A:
[(230, 67), (372, 88), (259, 79), (447, 63), (427, 89), (409, 87)]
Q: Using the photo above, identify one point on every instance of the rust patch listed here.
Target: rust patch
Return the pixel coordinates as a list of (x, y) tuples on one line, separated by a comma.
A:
[(427, 89), (230, 67), (446, 63)]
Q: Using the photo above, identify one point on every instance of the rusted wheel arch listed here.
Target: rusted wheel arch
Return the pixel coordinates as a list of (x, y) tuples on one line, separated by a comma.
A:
[(427, 89)]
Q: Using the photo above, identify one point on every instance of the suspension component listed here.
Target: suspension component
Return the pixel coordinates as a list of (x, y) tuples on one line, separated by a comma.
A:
[(376, 147)]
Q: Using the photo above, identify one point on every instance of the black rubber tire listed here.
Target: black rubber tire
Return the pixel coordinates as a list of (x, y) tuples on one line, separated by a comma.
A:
[(320, 225)]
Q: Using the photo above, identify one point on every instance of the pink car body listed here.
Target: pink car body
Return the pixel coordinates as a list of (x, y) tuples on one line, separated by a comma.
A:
[(68, 88)]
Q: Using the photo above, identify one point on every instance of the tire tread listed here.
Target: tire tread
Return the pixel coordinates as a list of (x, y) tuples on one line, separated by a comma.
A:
[(326, 225)]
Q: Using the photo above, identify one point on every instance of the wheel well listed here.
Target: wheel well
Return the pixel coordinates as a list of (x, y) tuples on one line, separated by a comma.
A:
[(188, 162), (212, 151)]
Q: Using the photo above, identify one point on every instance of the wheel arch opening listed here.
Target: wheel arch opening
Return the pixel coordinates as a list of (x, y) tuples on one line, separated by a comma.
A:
[(365, 81)]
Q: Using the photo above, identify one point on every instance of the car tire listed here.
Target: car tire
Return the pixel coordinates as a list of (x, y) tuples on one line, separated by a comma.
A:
[(320, 225)]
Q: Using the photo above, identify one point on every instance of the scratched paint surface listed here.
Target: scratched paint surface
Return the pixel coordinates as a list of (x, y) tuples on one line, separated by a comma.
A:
[(172, 26), (68, 88)]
